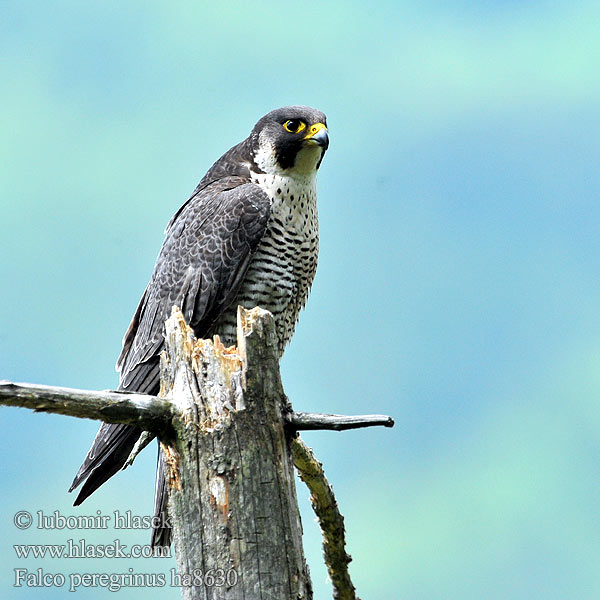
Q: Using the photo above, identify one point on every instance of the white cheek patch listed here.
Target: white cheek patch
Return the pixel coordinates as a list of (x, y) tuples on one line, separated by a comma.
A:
[(305, 165), (265, 157)]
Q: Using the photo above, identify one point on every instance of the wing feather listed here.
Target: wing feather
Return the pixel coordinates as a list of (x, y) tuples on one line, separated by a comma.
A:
[(200, 267), (203, 260)]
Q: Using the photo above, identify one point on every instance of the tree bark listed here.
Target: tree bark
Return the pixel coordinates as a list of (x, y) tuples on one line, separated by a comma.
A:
[(226, 431), (146, 412), (302, 421), (330, 520), (229, 467)]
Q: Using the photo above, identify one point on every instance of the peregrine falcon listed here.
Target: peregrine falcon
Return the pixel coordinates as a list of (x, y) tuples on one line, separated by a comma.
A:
[(247, 236)]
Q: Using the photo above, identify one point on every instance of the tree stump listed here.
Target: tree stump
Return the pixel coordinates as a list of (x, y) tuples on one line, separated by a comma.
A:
[(226, 431), (229, 467)]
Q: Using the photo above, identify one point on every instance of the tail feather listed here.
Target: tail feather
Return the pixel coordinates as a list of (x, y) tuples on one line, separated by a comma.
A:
[(110, 449), (162, 533)]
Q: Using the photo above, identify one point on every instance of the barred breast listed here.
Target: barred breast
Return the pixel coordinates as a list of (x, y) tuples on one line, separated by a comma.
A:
[(282, 270)]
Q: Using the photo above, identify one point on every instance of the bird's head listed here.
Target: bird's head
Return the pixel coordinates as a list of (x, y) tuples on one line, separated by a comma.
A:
[(290, 140)]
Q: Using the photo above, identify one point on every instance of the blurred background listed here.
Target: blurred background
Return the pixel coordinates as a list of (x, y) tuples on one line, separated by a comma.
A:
[(458, 285)]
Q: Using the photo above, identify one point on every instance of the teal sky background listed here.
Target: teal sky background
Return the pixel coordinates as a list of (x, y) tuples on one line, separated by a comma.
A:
[(458, 285)]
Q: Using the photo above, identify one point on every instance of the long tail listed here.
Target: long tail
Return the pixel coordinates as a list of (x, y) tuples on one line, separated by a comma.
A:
[(110, 449), (161, 529)]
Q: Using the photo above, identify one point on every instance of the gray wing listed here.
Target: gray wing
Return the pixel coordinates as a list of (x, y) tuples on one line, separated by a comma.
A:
[(200, 267)]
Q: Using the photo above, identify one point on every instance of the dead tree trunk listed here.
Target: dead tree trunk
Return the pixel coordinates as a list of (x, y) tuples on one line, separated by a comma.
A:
[(229, 466), (227, 433)]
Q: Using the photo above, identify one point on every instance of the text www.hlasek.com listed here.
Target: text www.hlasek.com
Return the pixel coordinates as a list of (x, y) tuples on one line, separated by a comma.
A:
[(81, 549)]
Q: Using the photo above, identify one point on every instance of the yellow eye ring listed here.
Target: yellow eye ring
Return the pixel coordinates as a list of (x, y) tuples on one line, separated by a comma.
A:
[(294, 125)]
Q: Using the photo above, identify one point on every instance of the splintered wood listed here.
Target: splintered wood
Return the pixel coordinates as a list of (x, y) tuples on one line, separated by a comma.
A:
[(235, 508)]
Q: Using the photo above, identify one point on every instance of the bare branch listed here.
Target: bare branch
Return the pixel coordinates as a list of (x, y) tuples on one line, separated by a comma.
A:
[(302, 421), (144, 440), (224, 422), (147, 412), (330, 519)]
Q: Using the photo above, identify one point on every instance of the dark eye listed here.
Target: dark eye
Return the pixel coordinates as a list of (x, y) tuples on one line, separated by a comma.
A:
[(294, 125)]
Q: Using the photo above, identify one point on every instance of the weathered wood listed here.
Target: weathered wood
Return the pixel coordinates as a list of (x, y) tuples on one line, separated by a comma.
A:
[(330, 520), (147, 412), (226, 431), (145, 439), (302, 421), (229, 467)]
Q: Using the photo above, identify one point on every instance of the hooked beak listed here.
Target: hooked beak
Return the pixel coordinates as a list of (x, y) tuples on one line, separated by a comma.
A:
[(317, 136)]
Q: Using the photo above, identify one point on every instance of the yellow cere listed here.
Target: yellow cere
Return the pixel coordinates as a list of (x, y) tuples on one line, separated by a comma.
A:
[(314, 129)]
